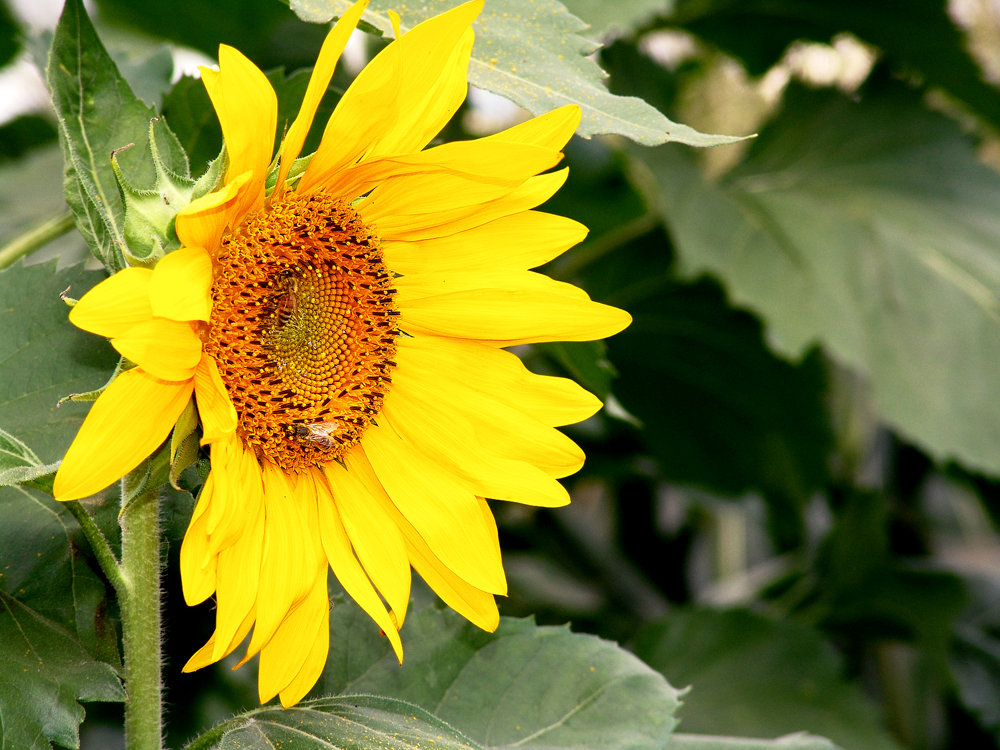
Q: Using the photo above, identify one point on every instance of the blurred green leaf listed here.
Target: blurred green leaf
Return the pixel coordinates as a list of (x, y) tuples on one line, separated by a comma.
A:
[(917, 36), (524, 685), (248, 25), (750, 675), (23, 134), (98, 113), (622, 15), (149, 77), (974, 661), (43, 357), (45, 673), (10, 43), (869, 228), (798, 741), (718, 409), (587, 362), (531, 52)]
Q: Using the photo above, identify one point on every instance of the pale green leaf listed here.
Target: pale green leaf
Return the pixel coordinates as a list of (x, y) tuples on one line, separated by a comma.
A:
[(798, 741), (868, 227), (621, 15), (531, 52)]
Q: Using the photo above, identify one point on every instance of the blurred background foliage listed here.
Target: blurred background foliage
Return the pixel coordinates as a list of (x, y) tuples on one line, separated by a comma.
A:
[(791, 498)]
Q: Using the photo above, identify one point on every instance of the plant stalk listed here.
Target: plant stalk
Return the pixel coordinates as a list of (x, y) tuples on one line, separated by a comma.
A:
[(35, 238), (140, 608)]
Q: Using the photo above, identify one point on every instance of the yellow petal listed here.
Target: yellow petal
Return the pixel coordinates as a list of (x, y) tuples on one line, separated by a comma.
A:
[(551, 130), (239, 563), (533, 192), (218, 415), (507, 318), (203, 221), (348, 570), (181, 285), (524, 240), (203, 657), (292, 551), (414, 409), (375, 538), (286, 652), (404, 96), (445, 513), (312, 667), (471, 372), (116, 304), (126, 424), (198, 565), (477, 606), (166, 349), (417, 286), (326, 63), (248, 112)]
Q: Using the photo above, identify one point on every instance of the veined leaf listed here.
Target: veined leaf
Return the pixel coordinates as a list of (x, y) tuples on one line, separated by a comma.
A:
[(98, 113), (46, 672), (523, 685), (20, 465), (531, 52), (869, 228), (623, 15)]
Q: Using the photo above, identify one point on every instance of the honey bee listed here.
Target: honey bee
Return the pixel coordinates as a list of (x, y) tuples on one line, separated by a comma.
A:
[(288, 302), (318, 433)]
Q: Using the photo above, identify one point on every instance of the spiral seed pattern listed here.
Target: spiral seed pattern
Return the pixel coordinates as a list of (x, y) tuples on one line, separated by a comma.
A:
[(303, 329)]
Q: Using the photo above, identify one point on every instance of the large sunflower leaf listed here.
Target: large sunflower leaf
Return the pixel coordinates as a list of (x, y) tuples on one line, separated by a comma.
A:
[(622, 15), (750, 675), (531, 52), (797, 741), (522, 685), (360, 722), (46, 672), (98, 113), (869, 228), (43, 357)]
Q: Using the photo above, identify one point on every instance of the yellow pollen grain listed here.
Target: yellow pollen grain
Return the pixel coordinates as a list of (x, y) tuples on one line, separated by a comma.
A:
[(303, 329)]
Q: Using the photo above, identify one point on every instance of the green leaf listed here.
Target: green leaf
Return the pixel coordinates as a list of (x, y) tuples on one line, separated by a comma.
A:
[(23, 134), (524, 685), (148, 77), (98, 113), (44, 357), (43, 565), (974, 662), (586, 361), (20, 465), (718, 409), (9, 36), (914, 35), (45, 673), (622, 15), (31, 192), (869, 228), (753, 676), (798, 741), (531, 52)]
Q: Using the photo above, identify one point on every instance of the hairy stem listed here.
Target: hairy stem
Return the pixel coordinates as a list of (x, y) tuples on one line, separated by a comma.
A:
[(102, 550), (35, 238), (140, 609)]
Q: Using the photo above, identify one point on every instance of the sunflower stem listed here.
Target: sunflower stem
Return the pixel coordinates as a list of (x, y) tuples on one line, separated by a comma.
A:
[(140, 607), (35, 238), (102, 550)]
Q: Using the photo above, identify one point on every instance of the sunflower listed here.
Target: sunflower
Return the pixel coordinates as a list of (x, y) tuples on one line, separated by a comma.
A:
[(340, 321)]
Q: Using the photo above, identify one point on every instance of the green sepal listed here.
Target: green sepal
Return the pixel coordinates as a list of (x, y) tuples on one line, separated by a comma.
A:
[(212, 179), (184, 443)]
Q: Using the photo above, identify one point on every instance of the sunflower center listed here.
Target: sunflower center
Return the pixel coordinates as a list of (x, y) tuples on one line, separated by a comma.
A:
[(303, 329)]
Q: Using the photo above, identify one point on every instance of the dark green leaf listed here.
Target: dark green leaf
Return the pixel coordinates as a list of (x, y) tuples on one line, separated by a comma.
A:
[(531, 52), (9, 36), (98, 113), (586, 361), (974, 661), (23, 134), (359, 722), (43, 357), (45, 673), (915, 35), (523, 685), (870, 228), (757, 677), (20, 465), (43, 565), (149, 77)]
